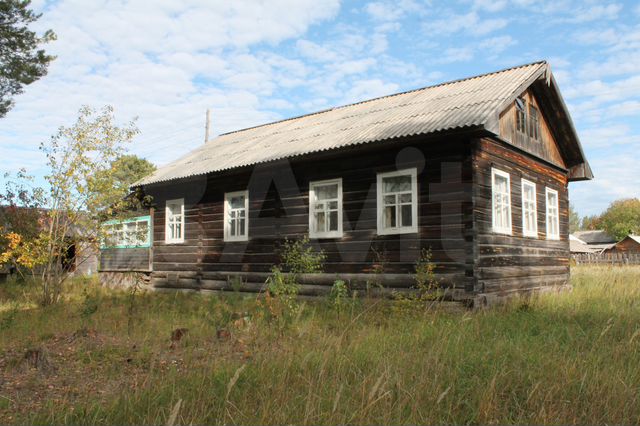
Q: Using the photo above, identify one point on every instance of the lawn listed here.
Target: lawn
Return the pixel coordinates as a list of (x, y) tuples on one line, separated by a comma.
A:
[(107, 357)]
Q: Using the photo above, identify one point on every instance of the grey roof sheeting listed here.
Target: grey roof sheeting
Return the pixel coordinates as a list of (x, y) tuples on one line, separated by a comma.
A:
[(471, 102)]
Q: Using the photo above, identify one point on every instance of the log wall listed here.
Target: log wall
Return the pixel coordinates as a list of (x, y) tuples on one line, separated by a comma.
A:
[(278, 194), (508, 263)]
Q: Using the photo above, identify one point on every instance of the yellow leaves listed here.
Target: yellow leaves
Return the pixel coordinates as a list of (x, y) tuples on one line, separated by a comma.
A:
[(22, 252)]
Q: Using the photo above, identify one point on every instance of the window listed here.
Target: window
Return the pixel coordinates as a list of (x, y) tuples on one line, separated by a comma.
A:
[(174, 217), (397, 202), (521, 115), (325, 209), (236, 207), (529, 210), (128, 233), (527, 119), (534, 123), (501, 201), (553, 215)]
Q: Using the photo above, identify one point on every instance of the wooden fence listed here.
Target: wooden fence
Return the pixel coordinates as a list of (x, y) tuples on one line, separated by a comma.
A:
[(607, 258)]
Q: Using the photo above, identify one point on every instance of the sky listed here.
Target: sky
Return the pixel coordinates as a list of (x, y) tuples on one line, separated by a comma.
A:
[(252, 62)]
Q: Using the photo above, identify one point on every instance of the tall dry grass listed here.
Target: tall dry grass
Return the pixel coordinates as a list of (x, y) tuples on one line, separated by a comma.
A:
[(555, 359)]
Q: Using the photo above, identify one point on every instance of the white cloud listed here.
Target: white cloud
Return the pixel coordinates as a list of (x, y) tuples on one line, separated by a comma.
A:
[(368, 89), (165, 64), (455, 54), (596, 12), (469, 23), (498, 44), (386, 11)]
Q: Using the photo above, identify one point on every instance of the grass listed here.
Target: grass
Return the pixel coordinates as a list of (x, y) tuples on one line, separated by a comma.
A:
[(555, 359)]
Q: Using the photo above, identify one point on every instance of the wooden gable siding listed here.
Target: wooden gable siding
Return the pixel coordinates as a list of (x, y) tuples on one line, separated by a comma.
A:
[(545, 148), (275, 214), (506, 263)]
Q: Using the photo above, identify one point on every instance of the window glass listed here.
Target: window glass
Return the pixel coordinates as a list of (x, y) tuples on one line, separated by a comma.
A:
[(236, 216), (325, 205), (398, 202), (501, 195), (529, 210)]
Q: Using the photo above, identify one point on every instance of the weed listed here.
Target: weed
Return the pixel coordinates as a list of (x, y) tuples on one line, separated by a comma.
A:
[(339, 295)]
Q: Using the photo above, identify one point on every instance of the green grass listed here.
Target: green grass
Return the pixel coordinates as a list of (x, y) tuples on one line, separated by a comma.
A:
[(565, 358)]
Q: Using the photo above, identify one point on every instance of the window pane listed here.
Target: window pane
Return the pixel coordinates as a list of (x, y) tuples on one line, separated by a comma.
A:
[(396, 183), (326, 192), (143, 233), (175, 208), (320, 225), (333, 221), (389, 199), (319, 206), (241, 227), (237, 202), (406, 215), (232, 227), (405, 198), (390, 217)]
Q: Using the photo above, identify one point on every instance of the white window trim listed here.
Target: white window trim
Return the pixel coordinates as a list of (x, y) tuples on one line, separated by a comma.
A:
[(167, 232), (499, 229), (557, 217), (227, 197), (533, 233), (414, 203), (330, 234)]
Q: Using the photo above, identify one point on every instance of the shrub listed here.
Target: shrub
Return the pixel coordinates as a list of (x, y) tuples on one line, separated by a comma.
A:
[(338, 295)]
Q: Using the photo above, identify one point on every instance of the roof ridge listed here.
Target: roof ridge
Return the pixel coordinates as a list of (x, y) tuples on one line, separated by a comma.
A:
[(385, 96)]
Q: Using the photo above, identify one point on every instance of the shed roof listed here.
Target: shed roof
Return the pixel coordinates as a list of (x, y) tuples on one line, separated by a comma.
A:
[(595, 237), (474, 102)]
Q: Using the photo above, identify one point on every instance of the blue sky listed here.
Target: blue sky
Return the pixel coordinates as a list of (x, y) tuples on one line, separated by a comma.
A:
[(251, 62)]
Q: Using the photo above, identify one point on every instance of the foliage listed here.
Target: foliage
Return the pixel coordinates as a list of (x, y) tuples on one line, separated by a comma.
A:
[(123, 172), (591, 223), (339, 295), (574, 220), (299, 257), (81, 184), (281, 297), (427, 288), (569, 358), (21, 218), (21, 62), (622, 218)]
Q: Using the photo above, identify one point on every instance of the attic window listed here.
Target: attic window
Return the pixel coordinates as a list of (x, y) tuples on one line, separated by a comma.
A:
[(527, 119), (534, 123), (521, 115)]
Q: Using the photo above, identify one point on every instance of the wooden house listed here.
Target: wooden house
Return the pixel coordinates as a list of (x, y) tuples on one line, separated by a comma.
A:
[(476, 170), (629, 244)]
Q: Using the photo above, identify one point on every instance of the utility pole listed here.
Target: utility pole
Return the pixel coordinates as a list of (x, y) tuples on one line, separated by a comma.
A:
[(207, 126)]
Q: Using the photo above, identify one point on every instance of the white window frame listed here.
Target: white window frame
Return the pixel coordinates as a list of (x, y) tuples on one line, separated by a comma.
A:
[(227, 210), (495, 228), (529, 232), (312, 204), (167, 230), (550, 235), (414, 203)]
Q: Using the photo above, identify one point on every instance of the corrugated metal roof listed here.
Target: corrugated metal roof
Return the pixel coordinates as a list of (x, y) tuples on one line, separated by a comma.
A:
[(470, 102)]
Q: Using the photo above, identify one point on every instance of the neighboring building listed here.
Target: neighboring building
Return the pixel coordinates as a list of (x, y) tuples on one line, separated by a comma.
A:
[(598, 241), (475, 169), (629, 244), (577, 246)]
